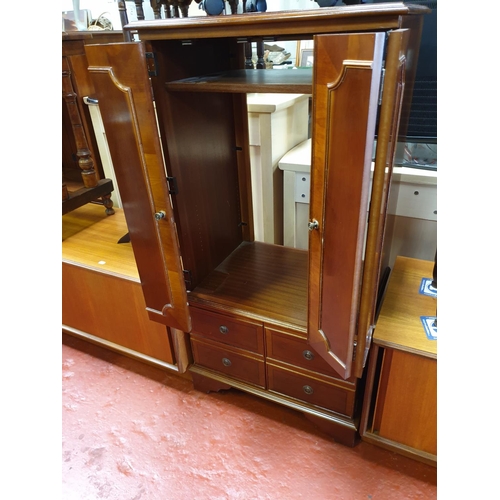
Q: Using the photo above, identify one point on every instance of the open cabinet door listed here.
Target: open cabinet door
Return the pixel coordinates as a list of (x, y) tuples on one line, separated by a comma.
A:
[(346, 84), (123, 89), (397, 66)]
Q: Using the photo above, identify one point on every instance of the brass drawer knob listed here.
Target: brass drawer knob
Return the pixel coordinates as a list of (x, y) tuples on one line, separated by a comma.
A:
[(308, 355), (308, 389), (223, 329), (226, 362)]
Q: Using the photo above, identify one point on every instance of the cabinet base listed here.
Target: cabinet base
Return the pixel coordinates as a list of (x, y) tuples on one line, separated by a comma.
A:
[(342, 429)]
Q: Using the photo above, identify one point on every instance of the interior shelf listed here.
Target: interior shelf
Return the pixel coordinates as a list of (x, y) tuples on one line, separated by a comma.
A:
[(293, 81), (264, 280)]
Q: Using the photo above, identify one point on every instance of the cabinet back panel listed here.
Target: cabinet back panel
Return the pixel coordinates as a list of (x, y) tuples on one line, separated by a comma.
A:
[(202, 157)]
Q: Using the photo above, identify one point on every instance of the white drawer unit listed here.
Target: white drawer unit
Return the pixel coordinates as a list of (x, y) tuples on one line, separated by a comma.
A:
[(277, 123)]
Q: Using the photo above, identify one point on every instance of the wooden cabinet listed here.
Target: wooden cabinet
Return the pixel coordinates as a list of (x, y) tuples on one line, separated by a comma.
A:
[(175, 112), (400, 404), (102, 300)]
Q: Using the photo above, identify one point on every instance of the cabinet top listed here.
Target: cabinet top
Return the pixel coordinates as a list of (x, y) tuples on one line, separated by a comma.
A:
[(361, 17), (399, 324)]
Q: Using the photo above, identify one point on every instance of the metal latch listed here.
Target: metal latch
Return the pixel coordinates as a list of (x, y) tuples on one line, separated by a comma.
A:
[(172, 185)]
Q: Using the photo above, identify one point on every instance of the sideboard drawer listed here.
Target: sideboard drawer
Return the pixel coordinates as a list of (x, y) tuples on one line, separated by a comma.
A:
[(238, 333), (311, 388), (291, 349), (235, 363)]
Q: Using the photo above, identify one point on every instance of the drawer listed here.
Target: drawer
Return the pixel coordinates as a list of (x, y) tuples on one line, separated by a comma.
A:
[(235, 363), (238, 333), (296, 351), (311, 388)]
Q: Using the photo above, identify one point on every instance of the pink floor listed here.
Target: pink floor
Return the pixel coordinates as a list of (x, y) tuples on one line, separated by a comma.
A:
[(132, 431)]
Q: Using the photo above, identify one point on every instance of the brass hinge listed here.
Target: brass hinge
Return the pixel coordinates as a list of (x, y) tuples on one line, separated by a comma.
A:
[(382, 79), (369, 335), (151, 64)]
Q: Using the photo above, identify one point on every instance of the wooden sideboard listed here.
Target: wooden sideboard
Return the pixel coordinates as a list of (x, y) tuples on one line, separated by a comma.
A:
[(290, 325), (400, 403), (82, 174)]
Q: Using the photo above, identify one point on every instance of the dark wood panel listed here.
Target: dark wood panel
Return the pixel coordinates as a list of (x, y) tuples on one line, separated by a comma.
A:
[(262, 280), (202, 156)]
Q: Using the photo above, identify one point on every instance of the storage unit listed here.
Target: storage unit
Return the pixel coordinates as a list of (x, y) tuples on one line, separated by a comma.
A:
[(276, 123), (400, 404), (260, 316), (102, 299)]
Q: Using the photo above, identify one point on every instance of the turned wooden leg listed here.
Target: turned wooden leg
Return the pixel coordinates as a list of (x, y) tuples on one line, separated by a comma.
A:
[(156, 6), (85, 161), (233, 4), (140, 10), (122, 9), (260, 55), (108, 204), (248, 55)]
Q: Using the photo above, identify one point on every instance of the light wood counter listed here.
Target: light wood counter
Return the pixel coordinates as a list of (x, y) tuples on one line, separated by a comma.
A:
[(90, 239), (399, 324)]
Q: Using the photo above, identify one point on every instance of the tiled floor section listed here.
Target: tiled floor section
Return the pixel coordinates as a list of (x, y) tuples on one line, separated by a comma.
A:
[(131, 431)]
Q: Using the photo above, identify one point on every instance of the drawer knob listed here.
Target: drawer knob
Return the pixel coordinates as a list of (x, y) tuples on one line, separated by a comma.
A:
[(160, 215), (223, 329), (308, 355), (226, 362), (308, 389)]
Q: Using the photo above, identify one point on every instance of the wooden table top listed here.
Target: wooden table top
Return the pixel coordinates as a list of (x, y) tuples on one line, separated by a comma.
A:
[(399, 324), (90, 239)]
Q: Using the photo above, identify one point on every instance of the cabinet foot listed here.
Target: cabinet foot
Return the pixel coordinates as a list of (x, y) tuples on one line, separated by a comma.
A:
[(343, 435), (205, 384)]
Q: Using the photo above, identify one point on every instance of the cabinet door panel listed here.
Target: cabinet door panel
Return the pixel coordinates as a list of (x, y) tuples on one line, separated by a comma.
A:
[(125, 99), (346, 81)]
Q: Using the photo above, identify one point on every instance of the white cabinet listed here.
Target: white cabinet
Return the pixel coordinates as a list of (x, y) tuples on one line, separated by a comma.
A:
[(277, 123)]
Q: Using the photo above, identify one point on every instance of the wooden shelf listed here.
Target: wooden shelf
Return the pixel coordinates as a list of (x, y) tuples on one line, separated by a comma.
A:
[(268, 282), (292, 81)]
